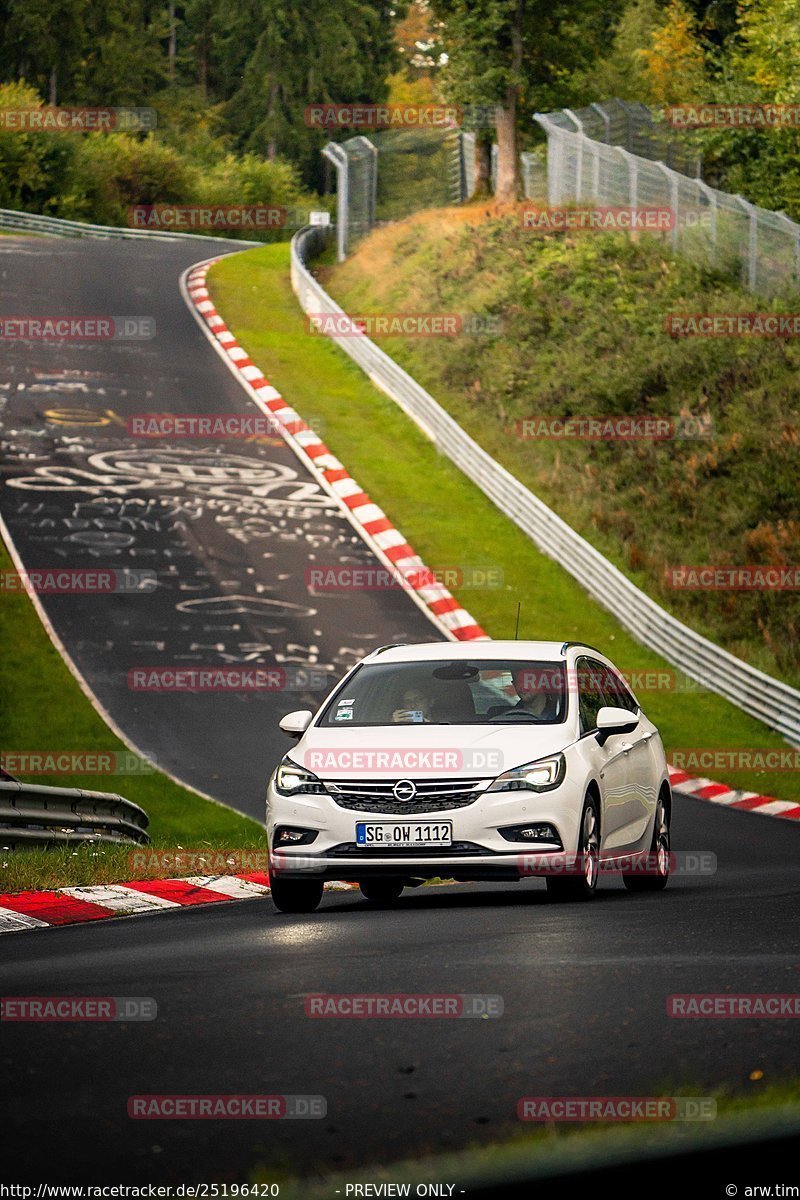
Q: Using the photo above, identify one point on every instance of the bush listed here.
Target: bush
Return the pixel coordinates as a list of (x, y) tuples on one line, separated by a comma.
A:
[(99, 177), (113, 172), (33, 166)]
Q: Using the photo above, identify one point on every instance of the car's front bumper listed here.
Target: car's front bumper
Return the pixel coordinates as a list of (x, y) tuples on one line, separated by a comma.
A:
[(479, 851)]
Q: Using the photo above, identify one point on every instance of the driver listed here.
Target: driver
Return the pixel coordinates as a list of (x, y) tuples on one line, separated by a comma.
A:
[(539, 702), (417, 708)]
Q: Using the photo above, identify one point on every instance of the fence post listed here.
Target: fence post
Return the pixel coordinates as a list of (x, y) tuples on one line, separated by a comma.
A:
[(672, 179), (373, 199), (606, 120), (596, 170), (711, 196), (752, 242), (336, 155), (579, 166), (794, 232), (633, 179), (554, 156)]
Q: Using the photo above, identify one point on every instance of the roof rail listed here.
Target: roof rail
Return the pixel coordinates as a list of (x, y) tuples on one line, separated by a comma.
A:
[(389, 646), (583, 645)]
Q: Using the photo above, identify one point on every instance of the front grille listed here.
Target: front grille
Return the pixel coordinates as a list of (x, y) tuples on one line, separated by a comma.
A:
[(375, 795), (436, 852)]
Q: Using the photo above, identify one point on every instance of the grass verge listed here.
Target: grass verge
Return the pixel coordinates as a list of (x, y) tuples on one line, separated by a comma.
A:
[(43, 707), (539, 1152), (448, 520)]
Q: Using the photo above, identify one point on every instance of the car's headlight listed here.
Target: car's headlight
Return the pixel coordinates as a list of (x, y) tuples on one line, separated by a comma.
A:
[(290, 779), (540, 776)]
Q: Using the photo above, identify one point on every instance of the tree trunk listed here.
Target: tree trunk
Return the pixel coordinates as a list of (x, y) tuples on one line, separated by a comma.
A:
[(483, 164), (507, 165), (506, 187), (52, 87), (204, 66), (173, 40)]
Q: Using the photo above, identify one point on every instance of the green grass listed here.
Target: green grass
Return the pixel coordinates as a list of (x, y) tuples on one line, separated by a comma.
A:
[(444, 516), (583, 336), (43, 708), (539, 1151)]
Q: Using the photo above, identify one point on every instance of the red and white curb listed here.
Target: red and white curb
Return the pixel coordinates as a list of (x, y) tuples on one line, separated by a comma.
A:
[(386, 542), (75, 905), (721, 793)]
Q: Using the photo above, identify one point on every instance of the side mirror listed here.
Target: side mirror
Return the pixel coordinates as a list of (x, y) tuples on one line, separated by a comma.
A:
[(614, 720), (296, 723)]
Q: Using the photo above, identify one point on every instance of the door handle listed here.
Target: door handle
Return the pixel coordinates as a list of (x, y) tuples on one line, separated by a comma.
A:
[(626, 747)]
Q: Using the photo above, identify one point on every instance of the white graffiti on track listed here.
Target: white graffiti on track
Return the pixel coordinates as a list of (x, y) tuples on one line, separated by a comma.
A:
[(201, 472), (257, 606)]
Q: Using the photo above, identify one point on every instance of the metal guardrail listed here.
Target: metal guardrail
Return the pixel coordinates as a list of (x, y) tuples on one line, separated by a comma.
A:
[(767, 699), (59, 227), (33, 814)]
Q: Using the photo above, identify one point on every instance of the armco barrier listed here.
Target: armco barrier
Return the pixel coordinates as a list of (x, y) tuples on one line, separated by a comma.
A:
[(23, 222), (33, 814), (767, 699)]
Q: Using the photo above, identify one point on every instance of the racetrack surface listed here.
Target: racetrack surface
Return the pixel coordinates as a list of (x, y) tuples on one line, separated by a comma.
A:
[(584, 990), (230, 527)]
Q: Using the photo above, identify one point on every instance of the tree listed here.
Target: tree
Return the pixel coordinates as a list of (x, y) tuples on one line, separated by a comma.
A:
[(770, 47), (518, 56), (674, 58), (41, 42), (344, 55)]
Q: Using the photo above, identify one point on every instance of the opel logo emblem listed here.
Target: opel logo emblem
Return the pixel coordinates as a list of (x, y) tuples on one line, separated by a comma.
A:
[(404, 789)]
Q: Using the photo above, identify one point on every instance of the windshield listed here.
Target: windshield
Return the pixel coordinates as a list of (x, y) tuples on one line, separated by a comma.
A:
[(450, 692)]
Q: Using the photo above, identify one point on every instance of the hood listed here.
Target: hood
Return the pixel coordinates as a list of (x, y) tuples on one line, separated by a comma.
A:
[(426, 751)]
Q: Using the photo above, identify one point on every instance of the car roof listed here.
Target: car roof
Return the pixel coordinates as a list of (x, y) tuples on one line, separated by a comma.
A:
[(501, 650)]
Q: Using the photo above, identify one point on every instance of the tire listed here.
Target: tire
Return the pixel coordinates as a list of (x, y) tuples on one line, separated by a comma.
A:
[(659, 854), (568, 888), (381, 892), (295, 895)]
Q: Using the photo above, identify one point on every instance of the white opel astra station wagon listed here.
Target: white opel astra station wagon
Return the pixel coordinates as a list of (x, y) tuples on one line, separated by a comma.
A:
[(480, 761)]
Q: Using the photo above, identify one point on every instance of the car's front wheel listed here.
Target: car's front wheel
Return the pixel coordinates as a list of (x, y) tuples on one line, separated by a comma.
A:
[(656, 876), (583, 884), (381, 892), (295, 895)]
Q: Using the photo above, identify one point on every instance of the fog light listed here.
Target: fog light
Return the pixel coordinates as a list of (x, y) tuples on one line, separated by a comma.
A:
[(286, 836), (531, 833)]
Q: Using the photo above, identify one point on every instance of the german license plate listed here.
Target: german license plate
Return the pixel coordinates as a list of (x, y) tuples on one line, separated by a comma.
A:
[(403, 834)]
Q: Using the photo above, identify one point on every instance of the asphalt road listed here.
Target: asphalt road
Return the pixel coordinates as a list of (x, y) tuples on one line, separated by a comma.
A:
[(584, 990), (229, 527)]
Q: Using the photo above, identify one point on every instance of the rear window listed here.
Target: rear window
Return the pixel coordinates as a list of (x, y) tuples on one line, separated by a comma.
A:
[(450, 692)]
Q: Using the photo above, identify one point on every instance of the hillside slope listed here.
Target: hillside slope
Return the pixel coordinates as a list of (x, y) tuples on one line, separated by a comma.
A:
[(583, 335)]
